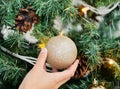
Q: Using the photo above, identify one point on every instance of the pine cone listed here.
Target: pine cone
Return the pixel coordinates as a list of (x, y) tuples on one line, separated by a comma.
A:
[(25, 19), (83, 68)]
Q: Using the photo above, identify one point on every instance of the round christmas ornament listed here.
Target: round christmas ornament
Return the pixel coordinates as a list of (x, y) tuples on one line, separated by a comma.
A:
[(95, 85), (62, 52)]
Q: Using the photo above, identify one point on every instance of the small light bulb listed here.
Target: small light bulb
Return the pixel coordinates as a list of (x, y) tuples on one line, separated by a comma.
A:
[(85, 9), (110, 62)]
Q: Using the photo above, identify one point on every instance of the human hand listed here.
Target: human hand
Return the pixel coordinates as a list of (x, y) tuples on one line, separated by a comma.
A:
[(38, 78)]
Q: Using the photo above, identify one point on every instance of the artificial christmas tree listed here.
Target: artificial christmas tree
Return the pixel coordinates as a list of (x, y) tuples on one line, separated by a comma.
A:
[(26, 26)]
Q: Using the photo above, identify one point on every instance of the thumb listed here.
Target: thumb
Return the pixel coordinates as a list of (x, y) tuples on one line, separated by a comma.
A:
[(41, 58)]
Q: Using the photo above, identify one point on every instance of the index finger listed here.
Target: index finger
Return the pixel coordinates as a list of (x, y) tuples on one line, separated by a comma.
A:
[(41, 58)]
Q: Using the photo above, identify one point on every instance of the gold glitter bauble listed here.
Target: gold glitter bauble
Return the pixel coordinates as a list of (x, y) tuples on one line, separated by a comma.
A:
[(95, 85), (62, 52)]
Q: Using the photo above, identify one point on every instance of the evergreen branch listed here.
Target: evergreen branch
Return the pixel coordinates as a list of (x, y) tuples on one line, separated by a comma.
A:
[(69, 14), (87, 44), (11, 70), (30, 60), (82, 83), (101, 11), (90, 43)]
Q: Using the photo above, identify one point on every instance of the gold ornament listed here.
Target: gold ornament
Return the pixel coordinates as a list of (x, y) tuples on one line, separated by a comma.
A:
[(112, 66), (62, 52), (95, 85)]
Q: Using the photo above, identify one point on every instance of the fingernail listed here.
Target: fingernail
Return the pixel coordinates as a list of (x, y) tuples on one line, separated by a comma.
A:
[(43, 50), (77, 60)]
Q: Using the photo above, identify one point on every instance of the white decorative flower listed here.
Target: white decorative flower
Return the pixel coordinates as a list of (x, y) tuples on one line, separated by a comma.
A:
[(28, 36), (6, 31), (78, 27), (58, 23), (65, 28)]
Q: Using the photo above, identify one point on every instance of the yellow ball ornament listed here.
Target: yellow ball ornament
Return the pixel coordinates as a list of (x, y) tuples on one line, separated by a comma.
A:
[(95, 85), (62, 52)]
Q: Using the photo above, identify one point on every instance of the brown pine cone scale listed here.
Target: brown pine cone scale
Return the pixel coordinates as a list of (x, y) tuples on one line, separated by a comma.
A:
[(25, 19)]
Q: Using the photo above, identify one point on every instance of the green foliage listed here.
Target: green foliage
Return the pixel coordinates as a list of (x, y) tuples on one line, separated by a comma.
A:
[(109, 40), (78, 83), (8, 9), (49, 9), (39, 33), (92, 42), (17, 44), (87, 44), (11, 69)]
